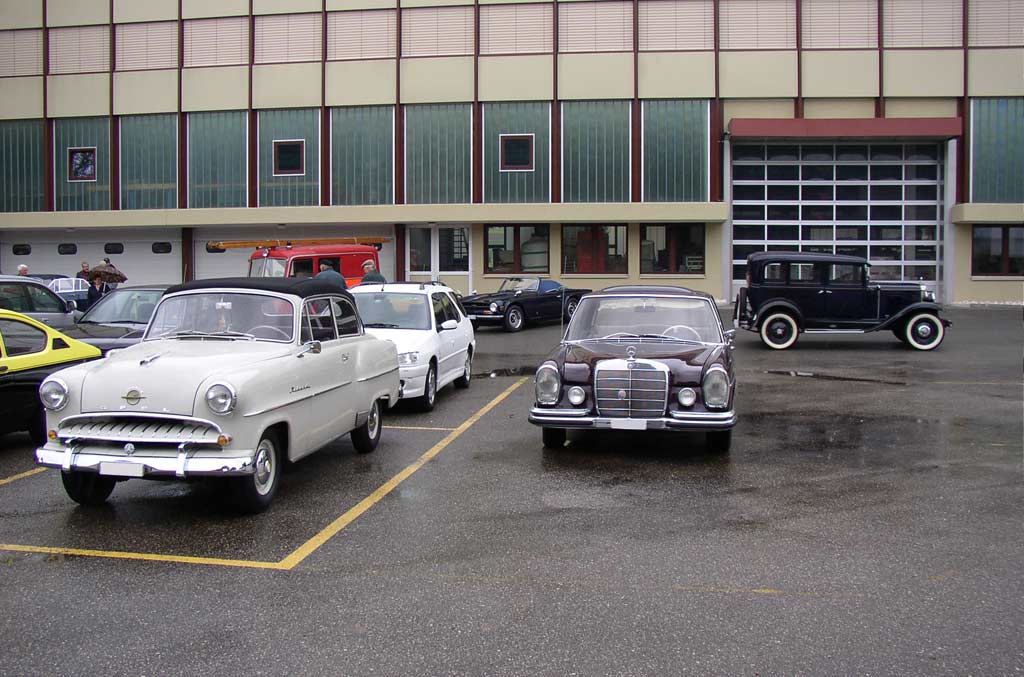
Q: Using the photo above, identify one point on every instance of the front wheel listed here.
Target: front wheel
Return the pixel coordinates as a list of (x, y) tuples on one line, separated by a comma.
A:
[(514, 319), (719, 441), (553, 438), (366, 436), (429, 397), (87, 488), (924, 332), (779, 331), (253, 493)]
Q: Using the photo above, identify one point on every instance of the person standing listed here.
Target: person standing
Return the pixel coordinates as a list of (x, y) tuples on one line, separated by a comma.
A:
[(327, 272), (97, 290), (83, 274), (370, 274)]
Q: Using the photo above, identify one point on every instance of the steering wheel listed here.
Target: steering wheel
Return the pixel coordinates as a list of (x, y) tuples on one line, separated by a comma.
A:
[(672, 329), (281, 332)]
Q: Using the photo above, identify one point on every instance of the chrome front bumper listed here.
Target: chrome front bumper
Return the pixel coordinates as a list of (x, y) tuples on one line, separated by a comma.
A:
[(178, 462), (578, 418)]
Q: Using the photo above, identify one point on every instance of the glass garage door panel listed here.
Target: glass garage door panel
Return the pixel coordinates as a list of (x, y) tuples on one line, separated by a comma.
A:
[(881, 201)]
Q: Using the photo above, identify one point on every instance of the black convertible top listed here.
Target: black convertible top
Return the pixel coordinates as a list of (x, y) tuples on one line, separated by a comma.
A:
[(302, 287)]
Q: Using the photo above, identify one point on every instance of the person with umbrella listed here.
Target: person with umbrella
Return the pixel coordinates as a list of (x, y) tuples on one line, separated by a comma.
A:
[(97, 289), (109, 274)]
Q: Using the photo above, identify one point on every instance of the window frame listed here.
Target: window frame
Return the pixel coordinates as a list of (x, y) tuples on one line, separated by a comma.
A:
[(503, 166), (7, 354), (593, 228), (1004, 253), (277, 171), (517, 250), (673, 238), (71, 178)]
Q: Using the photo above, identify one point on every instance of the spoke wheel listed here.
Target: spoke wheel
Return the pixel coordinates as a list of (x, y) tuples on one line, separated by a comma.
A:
[(366, 436), (514, 318), (254, 492), (924, 332), (779, 331)]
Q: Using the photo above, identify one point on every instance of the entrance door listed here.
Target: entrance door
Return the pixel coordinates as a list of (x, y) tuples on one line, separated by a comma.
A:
[(439, 253)]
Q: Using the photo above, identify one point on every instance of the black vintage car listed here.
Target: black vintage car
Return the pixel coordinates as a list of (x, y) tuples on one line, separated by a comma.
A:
[(523, 299), (640, 358), (791, 293), (119, 319)]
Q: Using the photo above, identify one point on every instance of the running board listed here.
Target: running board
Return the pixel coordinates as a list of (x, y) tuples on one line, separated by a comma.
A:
[(835, 331)]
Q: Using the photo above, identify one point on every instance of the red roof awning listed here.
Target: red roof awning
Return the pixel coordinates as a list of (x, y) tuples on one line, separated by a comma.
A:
[(845, 128)]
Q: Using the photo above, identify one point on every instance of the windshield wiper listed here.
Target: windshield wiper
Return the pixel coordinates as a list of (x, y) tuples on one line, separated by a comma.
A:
[(232, 334), (380, 325), (183, 333), (115, 321)]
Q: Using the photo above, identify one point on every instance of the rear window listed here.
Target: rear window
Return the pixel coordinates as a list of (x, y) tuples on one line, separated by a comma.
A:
[(773, 273)]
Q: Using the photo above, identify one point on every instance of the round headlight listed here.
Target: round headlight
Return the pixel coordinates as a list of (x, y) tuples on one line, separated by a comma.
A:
[(716, 388), (221, 398), (577, 395), (494, 307), (687, 397), (548, 384), (54, 394)]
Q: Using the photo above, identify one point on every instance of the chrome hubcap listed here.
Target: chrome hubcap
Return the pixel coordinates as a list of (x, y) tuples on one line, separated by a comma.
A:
[(924, 330), (431, 386), (373, 420), (264, 475)]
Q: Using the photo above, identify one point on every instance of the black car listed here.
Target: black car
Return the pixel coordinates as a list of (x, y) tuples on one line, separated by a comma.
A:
[(119, 319), (791, 293), (640, 358), (523, 299)]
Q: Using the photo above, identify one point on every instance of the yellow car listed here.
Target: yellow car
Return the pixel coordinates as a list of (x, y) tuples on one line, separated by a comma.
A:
[(29, 352)]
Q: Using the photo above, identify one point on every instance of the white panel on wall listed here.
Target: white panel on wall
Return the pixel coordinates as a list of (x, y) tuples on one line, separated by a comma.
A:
[(21, 53), (361, 34), (839, 24), (676, 25), (437, 31), (516, 29), (143, 46), (284, 38), (217, 42), (995, 23), (595, 26), (757, 24), (922, 23), (79, 49)]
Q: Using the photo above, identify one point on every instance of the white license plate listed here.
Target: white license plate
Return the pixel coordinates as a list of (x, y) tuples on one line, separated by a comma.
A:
[(122, 469), (629, 424)]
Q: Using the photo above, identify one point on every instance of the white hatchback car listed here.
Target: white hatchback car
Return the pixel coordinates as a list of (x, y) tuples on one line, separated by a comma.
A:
[(433, 335)]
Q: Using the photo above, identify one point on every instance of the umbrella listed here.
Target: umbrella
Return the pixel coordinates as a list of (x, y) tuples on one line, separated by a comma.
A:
[(108, 273)]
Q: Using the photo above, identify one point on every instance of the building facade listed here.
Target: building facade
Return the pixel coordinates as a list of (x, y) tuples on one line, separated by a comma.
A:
[(595, 141)]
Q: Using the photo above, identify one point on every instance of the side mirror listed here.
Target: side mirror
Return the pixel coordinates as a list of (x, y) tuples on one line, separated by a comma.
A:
[(448, 325), (311, 347), (730, 338), (70, 306)]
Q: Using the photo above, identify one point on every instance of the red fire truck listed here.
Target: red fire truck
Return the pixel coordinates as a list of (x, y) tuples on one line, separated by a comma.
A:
[(302, 258)]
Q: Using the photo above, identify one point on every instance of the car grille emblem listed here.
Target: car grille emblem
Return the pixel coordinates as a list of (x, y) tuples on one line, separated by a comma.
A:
[(631, 352), (622, 394), (129, 448), (133, 396)]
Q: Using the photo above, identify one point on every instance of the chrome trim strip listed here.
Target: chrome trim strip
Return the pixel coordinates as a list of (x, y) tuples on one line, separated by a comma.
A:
[(373, 376), (279, 406), (240, 463), (332, 388), (679, 421), (134, 414), (541, 411)]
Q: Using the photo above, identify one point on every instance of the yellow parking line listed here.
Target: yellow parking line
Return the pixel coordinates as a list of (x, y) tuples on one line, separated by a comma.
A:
[(416, 427), (332, 529), (307, 548), (27, 473)]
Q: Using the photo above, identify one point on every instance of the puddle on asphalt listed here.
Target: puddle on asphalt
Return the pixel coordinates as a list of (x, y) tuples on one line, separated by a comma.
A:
[(509, 371), (831, 377)]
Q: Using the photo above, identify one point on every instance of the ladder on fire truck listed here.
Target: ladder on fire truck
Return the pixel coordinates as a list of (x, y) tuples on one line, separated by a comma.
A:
[(266, 244)]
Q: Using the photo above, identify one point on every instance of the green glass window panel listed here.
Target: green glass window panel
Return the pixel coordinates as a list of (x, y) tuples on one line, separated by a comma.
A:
[(675, 151), (217, 159), (362, 155), (293, 189), (149, 161), (521, 118), (595, 151), (997, 143), (21, 166), (437, 153), (85, 134)]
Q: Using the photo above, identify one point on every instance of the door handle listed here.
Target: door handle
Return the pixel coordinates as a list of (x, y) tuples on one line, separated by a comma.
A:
[(344, 357)]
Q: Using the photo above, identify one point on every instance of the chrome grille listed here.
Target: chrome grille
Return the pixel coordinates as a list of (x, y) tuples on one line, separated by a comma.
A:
[(139, 429), (631, 388)]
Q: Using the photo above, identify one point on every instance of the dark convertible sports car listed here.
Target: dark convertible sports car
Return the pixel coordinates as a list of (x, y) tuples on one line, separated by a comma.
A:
[(119, 319), (640, 358), (523, 299)]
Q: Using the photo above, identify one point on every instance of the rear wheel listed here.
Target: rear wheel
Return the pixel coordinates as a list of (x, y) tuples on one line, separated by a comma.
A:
[(553, 438), (87, 488), (254, 493), (429, 397), (719, 441), (366, 436), (924, 331), (779, 331), (514, 319), (467, 372)]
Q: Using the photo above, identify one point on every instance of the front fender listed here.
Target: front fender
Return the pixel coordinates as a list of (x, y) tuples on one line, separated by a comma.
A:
[(913, 309), (772, 305)]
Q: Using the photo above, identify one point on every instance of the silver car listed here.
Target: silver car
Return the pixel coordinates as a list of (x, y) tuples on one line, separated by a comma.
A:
[(33, 298)]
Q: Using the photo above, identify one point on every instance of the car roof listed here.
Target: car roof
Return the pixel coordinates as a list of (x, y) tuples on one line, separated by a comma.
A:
[(27, 279), (402, 287), (806, 257), (302, 287), (652, 289)]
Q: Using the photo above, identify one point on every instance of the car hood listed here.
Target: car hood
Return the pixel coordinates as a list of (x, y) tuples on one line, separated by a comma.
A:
[(489, 298), (85, 332), (168, 373), (405, 340), (685, 360)]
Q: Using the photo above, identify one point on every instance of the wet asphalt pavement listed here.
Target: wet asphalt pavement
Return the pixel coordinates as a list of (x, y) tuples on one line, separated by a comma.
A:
[(867, 521)]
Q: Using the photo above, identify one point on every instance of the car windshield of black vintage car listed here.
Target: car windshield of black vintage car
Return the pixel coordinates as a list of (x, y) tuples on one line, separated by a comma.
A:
[(520, 284), (393, 310), (134, 306), (656, 318), (223, 315)]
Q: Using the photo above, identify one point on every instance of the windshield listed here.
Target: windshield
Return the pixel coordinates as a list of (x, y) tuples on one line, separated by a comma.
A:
[(123, 305), (267, 267), (223, 315), (519, 284), (393, 310), (687, 319)]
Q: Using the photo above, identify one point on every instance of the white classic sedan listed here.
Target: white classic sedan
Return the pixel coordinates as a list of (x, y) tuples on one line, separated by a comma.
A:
[(233, 377), (433, 334)]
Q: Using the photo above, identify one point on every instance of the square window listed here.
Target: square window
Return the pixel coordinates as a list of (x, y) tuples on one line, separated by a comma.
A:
[(290, 157), (82, 164), (516, 152)]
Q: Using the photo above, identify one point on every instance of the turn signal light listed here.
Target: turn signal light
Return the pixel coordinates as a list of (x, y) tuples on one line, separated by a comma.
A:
[(223, 440), (51, 435)]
